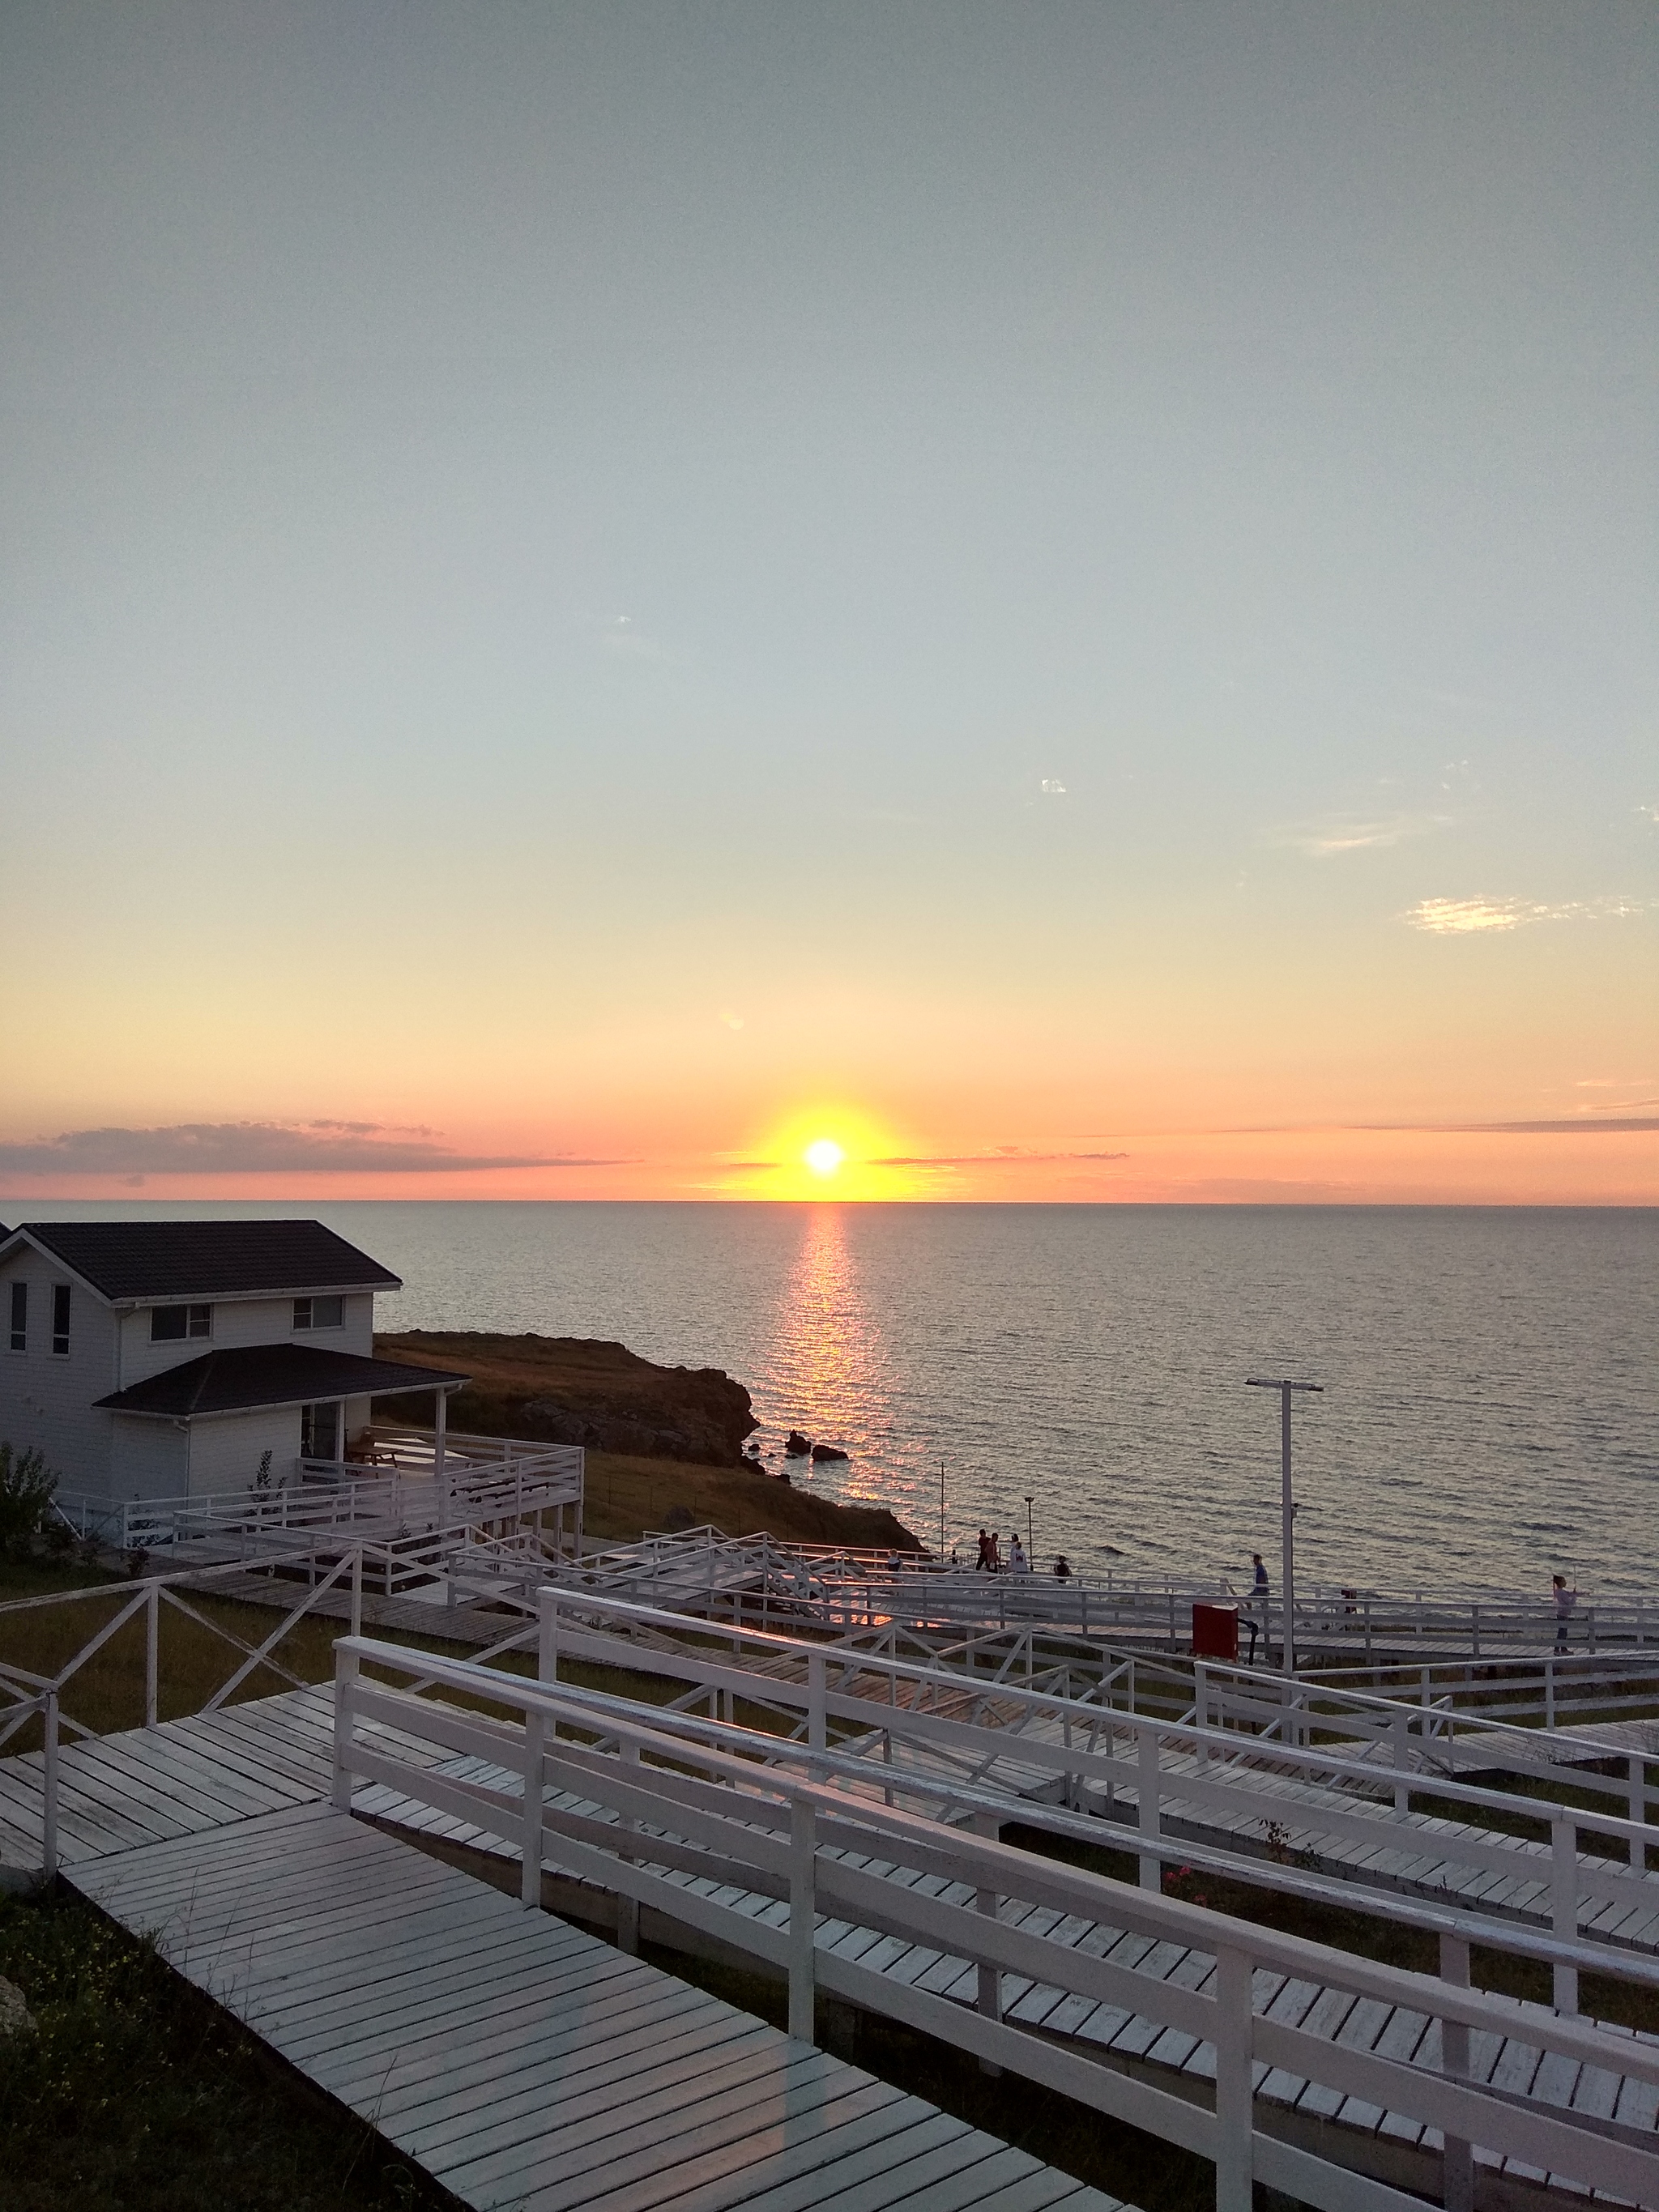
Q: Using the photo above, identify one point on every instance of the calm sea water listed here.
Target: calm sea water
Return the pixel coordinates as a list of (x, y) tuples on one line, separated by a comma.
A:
[(1491, 1408)]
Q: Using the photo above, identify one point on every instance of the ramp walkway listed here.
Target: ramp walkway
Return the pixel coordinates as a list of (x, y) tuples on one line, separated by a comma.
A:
[(522, 2062)]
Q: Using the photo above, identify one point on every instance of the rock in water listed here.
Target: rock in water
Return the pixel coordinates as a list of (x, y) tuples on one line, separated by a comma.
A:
[(826, 1451), (797, 1446)]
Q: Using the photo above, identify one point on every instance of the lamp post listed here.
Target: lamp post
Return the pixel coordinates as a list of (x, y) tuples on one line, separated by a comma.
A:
[(941, 1513), (1031, 1543), (1287, 1505)]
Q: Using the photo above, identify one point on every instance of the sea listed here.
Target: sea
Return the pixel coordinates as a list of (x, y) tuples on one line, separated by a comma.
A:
[(1488, 1409)]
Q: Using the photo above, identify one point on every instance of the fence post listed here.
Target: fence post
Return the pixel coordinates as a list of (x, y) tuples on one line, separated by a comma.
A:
[(49, 1800), (547, 1645), (1402, 1788), (1200, 1714), (802, 1917), (1549, 1691), (988, 1979), (345, 1684), (1235, 2161), (1457, 2168), (1148, 1809), (152, 1652), (1638, 1810), (817, 1702), (1564, 1898), (357, 1592), (535, 1741)]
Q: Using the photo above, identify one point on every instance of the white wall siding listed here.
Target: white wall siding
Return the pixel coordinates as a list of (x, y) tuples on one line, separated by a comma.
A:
[(225, 1451), (239, 1321), (46, 1399), (149, 1458)]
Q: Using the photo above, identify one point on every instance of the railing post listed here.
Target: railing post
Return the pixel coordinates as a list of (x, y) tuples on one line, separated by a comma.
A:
[(1148, 1808), (152, 1652), (1235, 2123), (803, 1917), (988, 1979), (345, 1684), (535, 1741), (1563, 1898), (1401, 1756), (1200, 1714), (547, 1642), (357, 1592), (1638, 1810), (1549, 1691), (1457, 2168), (49, 1799), (817, 1702)]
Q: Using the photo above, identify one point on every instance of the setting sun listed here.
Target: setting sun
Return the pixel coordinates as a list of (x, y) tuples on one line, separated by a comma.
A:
[(823, 1157)]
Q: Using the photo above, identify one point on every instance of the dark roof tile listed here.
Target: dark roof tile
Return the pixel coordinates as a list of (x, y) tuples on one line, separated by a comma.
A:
[(237, 1380), (210, 1259)]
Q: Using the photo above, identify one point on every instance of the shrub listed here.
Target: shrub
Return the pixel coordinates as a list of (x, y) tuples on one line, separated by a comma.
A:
[(26, 1495)]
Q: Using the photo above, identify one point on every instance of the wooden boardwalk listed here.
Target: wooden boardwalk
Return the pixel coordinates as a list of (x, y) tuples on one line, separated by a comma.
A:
[(521, 2062), (1386, 2144)]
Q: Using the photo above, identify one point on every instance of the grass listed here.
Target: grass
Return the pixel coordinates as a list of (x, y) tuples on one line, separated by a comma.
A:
[(625, 1497), (135, 2093)]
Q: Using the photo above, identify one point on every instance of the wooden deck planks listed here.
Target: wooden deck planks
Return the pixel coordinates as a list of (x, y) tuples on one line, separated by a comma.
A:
[(522, 2061)]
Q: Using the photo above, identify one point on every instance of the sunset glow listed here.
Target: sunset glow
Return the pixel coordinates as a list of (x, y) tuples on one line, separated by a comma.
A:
[(647, 647)]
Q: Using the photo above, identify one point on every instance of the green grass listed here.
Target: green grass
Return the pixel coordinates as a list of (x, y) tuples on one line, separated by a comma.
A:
[(137, 2095)]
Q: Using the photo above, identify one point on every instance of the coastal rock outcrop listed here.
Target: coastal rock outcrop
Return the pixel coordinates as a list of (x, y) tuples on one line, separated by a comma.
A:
[(796, 1445), (581, 1390), (829, 1451)]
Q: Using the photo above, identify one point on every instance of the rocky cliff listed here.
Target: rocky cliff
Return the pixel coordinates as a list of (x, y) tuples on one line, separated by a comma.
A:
[(581, 1390)]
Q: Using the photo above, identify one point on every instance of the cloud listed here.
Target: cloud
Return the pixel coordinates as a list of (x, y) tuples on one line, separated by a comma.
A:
[(623, 640), (1052, 788), (1444, 917), (256, 1148), (1321, 841), (1586, 1125), (1002, 1156)]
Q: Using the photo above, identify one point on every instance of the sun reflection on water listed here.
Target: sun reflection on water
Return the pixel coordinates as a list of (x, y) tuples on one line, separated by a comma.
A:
[(830, 1362)]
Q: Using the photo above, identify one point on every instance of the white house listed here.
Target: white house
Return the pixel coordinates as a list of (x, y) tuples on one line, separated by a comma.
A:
[(167, 1358)]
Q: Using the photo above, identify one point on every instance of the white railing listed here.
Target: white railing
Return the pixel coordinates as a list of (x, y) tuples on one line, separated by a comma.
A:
[(849, 1587), (674, 1807), (484, 1480), (1087, 1746)]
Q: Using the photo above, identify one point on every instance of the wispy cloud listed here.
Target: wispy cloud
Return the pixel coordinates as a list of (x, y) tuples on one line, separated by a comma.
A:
[(622, 639), (1001, 1156), (257, 1148), (1323, 840), (1446, 917)]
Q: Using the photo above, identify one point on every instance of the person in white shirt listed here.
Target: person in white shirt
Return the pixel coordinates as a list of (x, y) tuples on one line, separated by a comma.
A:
[(1018, 1564)]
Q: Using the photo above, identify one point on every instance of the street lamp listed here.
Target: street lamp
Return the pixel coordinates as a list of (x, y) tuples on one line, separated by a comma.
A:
[(1287, 1507), (1030, 1545)]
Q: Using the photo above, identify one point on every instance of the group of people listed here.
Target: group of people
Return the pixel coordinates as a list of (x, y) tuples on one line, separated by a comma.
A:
[(990, 1560)]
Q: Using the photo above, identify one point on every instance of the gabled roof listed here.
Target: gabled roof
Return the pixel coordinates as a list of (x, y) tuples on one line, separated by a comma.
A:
[(132, 1262), (248, 1375)]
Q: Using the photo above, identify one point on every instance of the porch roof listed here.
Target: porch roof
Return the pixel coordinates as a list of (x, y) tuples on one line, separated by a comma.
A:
[(247, 1377)]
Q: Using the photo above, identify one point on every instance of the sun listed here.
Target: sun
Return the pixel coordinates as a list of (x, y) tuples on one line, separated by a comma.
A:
[(823, 1156)]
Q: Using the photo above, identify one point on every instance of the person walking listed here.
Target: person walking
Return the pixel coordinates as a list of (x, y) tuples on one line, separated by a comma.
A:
[(987, 1562), (1566, 1598), (1016, 1563), (1260, 1595)]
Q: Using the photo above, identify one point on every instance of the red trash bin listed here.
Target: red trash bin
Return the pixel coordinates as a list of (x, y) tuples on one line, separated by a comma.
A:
[(1215, 1632)]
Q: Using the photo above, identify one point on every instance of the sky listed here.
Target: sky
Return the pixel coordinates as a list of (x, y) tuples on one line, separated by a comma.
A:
[(1057, 598)]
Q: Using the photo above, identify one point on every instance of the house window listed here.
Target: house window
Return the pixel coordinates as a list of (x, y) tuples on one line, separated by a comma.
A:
[(170, 1324), (20, 1317), (319, 1433), (60, 1302), (319, 1312)]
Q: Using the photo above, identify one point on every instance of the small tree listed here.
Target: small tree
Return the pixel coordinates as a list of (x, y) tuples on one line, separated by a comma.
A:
[(26, 1494)]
